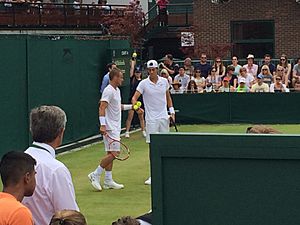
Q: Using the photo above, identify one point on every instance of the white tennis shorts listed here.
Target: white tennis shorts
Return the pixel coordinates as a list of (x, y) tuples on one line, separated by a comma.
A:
[(152, 127), (109, 144)]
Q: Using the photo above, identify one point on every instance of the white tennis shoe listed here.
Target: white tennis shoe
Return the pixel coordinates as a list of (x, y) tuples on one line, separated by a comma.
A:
[(127, 134), (148, 182), (144, 133), (110, 184), (95, 181)]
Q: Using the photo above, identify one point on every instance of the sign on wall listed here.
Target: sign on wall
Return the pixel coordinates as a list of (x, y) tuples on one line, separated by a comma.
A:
[(187, 39)]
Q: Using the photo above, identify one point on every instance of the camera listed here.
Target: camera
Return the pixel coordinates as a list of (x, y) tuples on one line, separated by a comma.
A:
[(161, 65)]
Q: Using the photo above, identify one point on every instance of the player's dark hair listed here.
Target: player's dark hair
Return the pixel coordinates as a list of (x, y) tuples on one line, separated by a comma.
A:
[(109, 66), (267, 55), (68, 217), (114, 72), (126, 220), (14, 165)]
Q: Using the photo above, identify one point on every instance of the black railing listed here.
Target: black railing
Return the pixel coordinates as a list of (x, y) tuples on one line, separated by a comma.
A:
[(54, 15)]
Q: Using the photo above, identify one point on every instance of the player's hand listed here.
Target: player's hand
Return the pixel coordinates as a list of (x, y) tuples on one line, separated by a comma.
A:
[(103, 130), (173, 117), (140, 111)]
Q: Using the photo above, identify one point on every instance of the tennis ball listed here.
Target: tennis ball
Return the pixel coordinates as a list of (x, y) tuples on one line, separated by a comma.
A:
[(135, 107), (138, 103), (134, 55)]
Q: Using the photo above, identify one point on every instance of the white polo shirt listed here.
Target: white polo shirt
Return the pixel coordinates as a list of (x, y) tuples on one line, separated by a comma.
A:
[(154, 97), (113, 114), (54, 187)]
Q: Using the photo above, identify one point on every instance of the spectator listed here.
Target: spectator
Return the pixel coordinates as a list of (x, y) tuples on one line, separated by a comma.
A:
[(296, 72), (248, 77), (230, 75), (267, 62), (219, 66), (54, 187), (280, 73), (250, 66), (236, 66), (188, 66), (164, 73), (260, 86), (267, 76), (176, 88), (168, 64), (242, 86), (105, 80), (278, 86), (68, 217), (286, 65), (203, 66), (192, 87), (199, 80), (182, 78), (18, 179), (176, 71), (163, 15), (214, 79), (209, 88), (297, 85), (226, 87)]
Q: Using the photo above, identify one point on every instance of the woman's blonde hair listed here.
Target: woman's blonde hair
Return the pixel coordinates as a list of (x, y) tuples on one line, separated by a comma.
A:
[(266, 67), (68, 217), (164, 71)]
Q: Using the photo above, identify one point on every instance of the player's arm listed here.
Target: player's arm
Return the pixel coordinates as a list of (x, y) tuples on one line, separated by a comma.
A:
[(102, 120), (171, 72), (135, 97), (170, 104), (132, 65)]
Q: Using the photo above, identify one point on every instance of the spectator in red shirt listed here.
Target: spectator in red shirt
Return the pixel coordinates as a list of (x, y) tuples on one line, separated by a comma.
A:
[(162, 6)]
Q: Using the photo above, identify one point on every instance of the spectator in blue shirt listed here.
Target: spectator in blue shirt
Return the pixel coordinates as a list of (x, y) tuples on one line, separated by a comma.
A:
[(105, 80), (203, 66), (267, 61)]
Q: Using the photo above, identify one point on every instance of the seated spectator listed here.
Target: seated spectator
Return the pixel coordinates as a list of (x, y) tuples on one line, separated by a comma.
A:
[(203, 66), (286, 65), (219, 67), (214, 79), (226, 87), (296, 72), (18, 179), (200, 80), (54, 187), (297, 85), (250, 66), (280, 73), (188, 67), (168, 64), (209, 88), (182, 78), (261, 129), (248, 77), (267, 62), (242, 86), (267, 76), (165, 74), (278, 86), (192, 87), (68, 217), (260, 86), (230, 75), (236, 66), (176, 88)]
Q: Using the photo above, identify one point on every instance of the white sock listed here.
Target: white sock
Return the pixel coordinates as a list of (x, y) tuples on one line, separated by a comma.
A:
[(98, 171), (108, 175)]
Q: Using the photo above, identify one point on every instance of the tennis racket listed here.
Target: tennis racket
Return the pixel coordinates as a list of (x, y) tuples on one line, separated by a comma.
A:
[(172, 122), (118, 149)]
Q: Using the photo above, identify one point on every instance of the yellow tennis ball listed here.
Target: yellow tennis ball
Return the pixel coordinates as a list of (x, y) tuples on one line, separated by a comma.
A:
[(135, 107), (134, 55), (138, 103)]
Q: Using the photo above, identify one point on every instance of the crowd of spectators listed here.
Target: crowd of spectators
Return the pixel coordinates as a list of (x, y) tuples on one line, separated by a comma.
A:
[(217, 77)]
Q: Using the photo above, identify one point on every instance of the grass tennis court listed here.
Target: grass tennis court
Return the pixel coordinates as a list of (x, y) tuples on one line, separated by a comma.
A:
[(101, 208)]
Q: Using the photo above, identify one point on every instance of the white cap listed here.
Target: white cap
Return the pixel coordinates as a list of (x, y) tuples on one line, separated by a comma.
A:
[(250, 56), (242, 80), (152, 64)]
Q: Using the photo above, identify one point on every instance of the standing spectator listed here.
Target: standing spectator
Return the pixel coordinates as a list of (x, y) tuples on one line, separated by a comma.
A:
[(250, 66), (267, 76), (54, 187), (188, 66), (105, 80), (242, 86), (163, 15), (68, 217), (236, 66), (296, 72), (18, 179), (278, 86), (267, 61), (219, 66), (203, 66), (214, 79), (226, 87), (260, 86), (182, 78), (230, 75), (249, 79), (165, 74), (286, 65), (168, 64), (280, 73), (192, 87), (199, 80)]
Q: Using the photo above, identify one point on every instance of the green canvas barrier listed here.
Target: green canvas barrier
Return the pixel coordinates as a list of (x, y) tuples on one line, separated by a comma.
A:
[(225, 179), (265, 108)]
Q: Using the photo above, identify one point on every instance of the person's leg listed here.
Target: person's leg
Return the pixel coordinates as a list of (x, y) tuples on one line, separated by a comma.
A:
[(141, 118), (128, 122)]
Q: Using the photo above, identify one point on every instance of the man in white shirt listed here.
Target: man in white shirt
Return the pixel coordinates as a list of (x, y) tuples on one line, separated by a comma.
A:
[(260, 86), (157, 98), (250, 66), (54, 187), (110, 121), (182, 78)]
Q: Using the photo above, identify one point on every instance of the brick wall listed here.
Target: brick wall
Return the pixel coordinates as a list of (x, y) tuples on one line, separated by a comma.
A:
[(212, 22)]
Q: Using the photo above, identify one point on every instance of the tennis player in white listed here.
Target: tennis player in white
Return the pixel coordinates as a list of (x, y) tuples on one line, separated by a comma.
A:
[(157, 98), (110, 121)]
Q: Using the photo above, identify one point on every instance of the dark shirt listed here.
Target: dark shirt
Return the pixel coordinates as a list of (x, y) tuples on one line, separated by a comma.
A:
[(133, 85), (204, 68), (231, 82), (172, 67)]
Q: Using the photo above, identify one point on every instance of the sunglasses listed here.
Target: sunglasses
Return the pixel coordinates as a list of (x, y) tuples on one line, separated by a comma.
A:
[(197, 72), (203, 57), (265, 69), (218, 61), (213, 71), (282, 59), (163, 73), (280, 70)]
